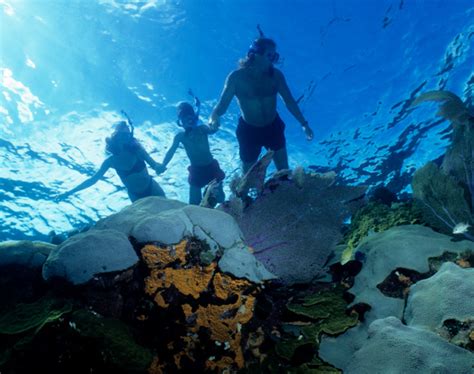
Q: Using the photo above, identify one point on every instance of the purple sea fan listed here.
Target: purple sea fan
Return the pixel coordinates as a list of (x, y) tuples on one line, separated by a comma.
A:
[(294, 227)]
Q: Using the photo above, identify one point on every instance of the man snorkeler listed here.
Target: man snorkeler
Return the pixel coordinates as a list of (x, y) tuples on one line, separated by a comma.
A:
[(256, 84)]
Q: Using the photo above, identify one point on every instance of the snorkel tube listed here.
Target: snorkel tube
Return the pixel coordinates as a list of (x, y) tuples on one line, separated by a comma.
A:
[(129, 121), (197, 102)]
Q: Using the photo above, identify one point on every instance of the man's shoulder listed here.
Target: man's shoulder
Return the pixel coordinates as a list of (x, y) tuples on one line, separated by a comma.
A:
[(179, 135), (278, 73), (235, 75), (109, 160)]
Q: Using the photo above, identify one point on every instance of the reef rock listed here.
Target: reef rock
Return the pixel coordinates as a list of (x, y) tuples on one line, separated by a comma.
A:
[(402, 247), (84, 255), (125, 220), (407, 247), (395, 348), (204, 307), (24, 253), (451, 289), (107, 246), (242, 264)]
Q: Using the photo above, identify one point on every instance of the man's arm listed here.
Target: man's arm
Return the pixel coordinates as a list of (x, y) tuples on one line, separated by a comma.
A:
[(224, 101), (291, 104), (170, 153), (90, 181)]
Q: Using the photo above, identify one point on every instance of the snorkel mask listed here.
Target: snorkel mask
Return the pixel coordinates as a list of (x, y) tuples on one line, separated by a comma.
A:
[(258, 47), (129, 122), (187, 118), (122, 133), (185, 111)]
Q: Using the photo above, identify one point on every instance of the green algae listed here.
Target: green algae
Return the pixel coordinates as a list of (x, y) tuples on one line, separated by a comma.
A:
[(326, 312), (377, 217), (115, 340), (314, 367), (25, 317)]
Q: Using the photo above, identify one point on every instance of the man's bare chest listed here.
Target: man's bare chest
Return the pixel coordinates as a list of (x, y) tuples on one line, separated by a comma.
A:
[(257, 87)]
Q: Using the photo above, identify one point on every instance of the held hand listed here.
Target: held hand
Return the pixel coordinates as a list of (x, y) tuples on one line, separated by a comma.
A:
[(214, 124), (61, 196), (159, 168), (308, 132)]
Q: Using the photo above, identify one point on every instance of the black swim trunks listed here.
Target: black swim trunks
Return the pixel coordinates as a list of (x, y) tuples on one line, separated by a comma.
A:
[(200, 176), (252, 138)]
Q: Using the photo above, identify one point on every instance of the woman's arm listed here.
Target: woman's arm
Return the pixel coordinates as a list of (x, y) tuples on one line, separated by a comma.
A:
[(90, 181), (171, 151), (148, 159)]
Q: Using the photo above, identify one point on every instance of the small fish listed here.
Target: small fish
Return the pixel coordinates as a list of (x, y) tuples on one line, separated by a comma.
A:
[(461, 228), (346, 255)]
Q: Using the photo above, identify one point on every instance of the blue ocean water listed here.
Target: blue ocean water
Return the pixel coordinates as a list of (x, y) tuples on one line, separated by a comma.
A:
[(69, 66)]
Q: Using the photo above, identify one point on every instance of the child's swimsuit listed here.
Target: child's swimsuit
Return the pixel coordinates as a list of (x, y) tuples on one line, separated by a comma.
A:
[(253, 138), (200, 176)]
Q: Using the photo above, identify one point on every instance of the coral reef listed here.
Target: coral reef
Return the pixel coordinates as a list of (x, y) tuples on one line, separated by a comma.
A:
[(24, 253), (288, 333), (441, 198), (295, 223), (447, 194), (403, 257), (401, 247), (24, 317), (453, 289), (394, 347), (82, 256), (20, 323), (107, 247), (114, 339), (377, 217), (212, 308), (195, 298), (326, 311), (253, 178)]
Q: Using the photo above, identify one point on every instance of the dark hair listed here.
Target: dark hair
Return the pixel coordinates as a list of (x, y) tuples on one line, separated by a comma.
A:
[(258, 47), (110, 142), (185, 108)]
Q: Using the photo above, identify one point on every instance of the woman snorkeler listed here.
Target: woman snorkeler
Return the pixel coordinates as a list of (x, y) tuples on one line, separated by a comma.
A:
[(127, 157)]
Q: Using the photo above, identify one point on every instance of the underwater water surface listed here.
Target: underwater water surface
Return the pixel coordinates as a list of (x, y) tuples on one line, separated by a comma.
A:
[(69, 67)]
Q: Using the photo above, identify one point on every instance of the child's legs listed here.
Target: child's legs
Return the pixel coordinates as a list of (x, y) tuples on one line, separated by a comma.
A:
[(194, 195)]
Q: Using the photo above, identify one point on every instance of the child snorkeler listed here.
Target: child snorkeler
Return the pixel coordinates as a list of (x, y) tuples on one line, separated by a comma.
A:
[(204, 168)]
